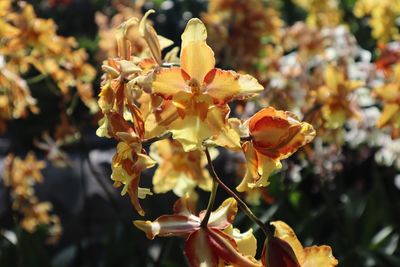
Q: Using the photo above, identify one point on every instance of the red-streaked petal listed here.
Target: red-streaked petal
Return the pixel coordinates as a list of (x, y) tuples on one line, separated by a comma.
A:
[(198, 250), (169, 225), (226, 249)]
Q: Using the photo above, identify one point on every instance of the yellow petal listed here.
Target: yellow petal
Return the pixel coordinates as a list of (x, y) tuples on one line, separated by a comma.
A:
[(195, 31), (258, 169), (388, 92), (387, 114), (246, 242), (224, 135), (224, 215), (319, 256), (286, 233), (190, 132)]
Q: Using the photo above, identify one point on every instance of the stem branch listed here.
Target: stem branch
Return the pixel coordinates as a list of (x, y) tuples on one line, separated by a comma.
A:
[(242, 205), (210, 204)]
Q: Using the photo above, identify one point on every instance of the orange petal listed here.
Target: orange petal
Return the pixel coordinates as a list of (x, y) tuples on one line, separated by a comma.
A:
[(151, 38), (258, 169), (168, 82), (133, 189), (224, 86), (278, 134)]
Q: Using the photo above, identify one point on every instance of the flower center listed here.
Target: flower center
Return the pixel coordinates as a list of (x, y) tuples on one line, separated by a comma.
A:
[(194, 86)]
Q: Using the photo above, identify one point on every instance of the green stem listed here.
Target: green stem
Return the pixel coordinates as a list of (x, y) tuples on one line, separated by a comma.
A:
[(240, 202), (210, 204)]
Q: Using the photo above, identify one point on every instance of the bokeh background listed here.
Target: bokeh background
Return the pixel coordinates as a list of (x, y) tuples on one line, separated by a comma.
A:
[(345, 194)]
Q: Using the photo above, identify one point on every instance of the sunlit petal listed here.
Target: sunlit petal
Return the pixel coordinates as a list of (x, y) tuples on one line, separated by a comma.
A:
[(224, 86), (168, 82), (224, 215)]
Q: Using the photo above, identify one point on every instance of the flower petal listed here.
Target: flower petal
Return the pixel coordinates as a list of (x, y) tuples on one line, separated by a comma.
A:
[(190, 132), (224, 215), (195, 31), (226, 249), (286, 233), (278, 134), (224, 86), (224, 135), (168, 225), (168, 82), (319, 256), (387, 114), (197, 58), (246, 242), (198, 250), (151, 38), (258, 168)]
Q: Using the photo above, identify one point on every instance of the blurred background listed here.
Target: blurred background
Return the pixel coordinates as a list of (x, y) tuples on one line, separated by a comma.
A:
[(336, 64)]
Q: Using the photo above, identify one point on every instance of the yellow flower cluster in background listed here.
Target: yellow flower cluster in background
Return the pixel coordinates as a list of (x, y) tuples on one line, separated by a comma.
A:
[(21, 175), (383, 15), (31, 45), (321, 13)]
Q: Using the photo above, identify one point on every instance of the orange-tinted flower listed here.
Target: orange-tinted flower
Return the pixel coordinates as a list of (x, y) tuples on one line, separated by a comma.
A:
[(205, 246), (178, 170), (275, 135), (200, 91)]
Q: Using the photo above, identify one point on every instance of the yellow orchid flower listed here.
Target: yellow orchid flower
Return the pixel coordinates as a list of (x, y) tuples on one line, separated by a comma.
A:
[(200, 91), (288, 251), (178, 170), (275, 135)]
